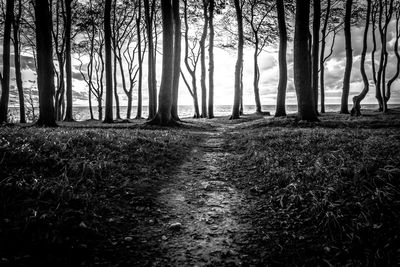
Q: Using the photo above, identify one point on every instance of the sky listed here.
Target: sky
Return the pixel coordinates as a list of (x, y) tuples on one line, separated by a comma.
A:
[(224, 75)]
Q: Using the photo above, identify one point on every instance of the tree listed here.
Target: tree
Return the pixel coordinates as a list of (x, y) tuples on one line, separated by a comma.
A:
[(281, 98), (349, 59), (177, 60), (302, 82), (43, 23), (396, 52), (239, 62), (203, 60), (68, 65), (140, 57), (108, 63), (5, 85), (356, 110), (315, 50), (163, 116), (211, 60)]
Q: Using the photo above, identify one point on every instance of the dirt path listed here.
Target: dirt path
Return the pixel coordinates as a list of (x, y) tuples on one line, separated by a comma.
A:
[(203, 227)]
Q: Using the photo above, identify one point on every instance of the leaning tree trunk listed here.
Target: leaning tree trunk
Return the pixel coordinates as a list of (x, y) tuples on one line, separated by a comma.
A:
[(68, 65), (5, 93), (281, 98), (203, 62), (163, 116), (177, 61), (302, 78), (315, 51), (45, 74), (108, 116), (356, 110), (239, 63), (211, 61), (344, 109)]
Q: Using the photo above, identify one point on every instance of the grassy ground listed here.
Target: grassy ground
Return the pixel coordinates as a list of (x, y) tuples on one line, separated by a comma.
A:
[(326, 193)]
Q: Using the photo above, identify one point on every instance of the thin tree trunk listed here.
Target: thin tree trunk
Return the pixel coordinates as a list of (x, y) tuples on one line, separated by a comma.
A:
[(203, 61), (281, 98), (211, 61), (315, 51), (322, 56), (356, 110), (68, 64), (256, 78), (108, 63), (239, 63), (302, 81), (140, 57), (45, 74), (117, 107), (90, 104), (344, 109), (5, 92)]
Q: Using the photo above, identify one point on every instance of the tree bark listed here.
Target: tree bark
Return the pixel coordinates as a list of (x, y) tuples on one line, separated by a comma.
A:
[(68, 65), (5, 92), (108, 116), (177, 60), (281, 97), (203, 61), (302, 77), (17, 62), (45, 75), (239, 62), (140, 57), (356, 110), (322, 56), (211, 61), (344, 109), (315, 51)]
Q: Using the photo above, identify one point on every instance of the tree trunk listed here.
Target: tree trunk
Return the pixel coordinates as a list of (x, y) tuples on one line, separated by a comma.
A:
[(396, 52), (45, 75), (17, 60), (68, 66), (177, 60), (281, 98), (302, 81), (5, 92), (356, 110), (315, 51), (108, 118), (203, 61), (117, 107), (140, 58), (322, 56), (239, 62), (344, 109), (256, 78), (211, 61), (90, 104), (163, 116)]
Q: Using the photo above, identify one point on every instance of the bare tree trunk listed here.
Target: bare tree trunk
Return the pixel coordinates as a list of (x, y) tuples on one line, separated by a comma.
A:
[(108, 63), (322, 56), (17, 62), (45, 73), (177, 61), (68, 65), (211, 61), (356, 110), (239, 62), (302, 78), (140, 57), (5, 92), (315, 51), (396, 52), (256, 78), (281, 98), (203, 62)]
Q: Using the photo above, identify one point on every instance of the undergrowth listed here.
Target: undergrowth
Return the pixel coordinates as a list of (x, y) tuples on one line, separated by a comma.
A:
[(324, 196), (60, 187)]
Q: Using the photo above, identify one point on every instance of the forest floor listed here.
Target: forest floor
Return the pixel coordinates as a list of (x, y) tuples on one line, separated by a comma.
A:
[(259, 191)]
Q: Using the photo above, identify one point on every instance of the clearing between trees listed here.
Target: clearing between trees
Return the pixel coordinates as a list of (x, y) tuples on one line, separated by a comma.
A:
[(256, 191)]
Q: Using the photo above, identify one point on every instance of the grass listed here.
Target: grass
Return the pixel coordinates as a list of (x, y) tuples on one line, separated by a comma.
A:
[(322, 195), (60, 187)]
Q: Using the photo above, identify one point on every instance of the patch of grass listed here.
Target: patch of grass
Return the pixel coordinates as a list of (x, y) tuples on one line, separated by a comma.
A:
[(323, 196), (60, 187)]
